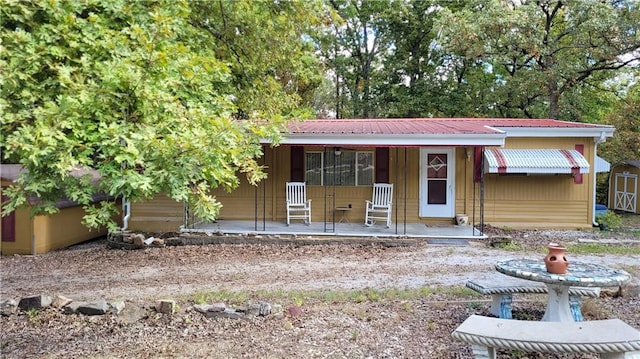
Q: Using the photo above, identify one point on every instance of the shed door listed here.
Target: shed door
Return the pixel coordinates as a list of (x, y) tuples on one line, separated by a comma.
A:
[(626, 192), (436, 182)]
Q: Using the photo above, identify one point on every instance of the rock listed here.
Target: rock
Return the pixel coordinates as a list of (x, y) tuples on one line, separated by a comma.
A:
[(99, 307), (8, 307), (265, 309), (61, 301), (131, 314), (631, 289), (202, 308), (227, 313), (217, 307), (205, 308), (34, 302), (166, 306), (158, 242), (277, 311), (260, 309), (253, 309), (72, 308), (116, 307), (294, 311), (138, 240)]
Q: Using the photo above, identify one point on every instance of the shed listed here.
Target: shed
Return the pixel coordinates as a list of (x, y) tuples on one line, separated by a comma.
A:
[(623, 187), (23, 234)]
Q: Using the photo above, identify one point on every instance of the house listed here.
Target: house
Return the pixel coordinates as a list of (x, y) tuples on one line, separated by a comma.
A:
[(623, 187), (23, 234), (519, 173)]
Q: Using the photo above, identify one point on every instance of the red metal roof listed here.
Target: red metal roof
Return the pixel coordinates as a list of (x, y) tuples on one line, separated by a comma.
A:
[(390, 126), (425, 125)]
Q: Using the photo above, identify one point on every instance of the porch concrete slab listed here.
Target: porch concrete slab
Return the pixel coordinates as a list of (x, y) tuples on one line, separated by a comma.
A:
[(404, 230), (449, 241)]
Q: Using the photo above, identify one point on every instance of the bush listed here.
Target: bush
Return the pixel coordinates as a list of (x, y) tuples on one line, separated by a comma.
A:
[(609, 220)]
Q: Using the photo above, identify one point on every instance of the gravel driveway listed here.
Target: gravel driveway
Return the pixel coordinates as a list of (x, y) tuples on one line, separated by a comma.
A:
[(388, 327)]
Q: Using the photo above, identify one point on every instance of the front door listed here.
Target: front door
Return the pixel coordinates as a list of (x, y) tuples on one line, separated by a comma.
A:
[(436, 182)]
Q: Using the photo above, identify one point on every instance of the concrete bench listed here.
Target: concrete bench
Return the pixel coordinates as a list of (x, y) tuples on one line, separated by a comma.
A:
[(611, 338), (502, 287)]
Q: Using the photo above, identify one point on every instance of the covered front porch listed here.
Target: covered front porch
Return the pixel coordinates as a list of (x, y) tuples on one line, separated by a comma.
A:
[(339, 229)]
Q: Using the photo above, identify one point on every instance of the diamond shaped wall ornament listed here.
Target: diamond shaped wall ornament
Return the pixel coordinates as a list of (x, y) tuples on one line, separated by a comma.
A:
[(437, 163)]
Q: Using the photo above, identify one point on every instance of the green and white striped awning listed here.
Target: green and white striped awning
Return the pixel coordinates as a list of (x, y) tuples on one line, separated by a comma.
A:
[(541, 161)]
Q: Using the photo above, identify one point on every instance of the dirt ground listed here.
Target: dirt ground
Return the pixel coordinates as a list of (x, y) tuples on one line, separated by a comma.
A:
[(356, 301)]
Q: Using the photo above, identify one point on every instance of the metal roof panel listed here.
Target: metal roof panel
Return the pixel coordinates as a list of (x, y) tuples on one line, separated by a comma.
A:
[(535, 161)]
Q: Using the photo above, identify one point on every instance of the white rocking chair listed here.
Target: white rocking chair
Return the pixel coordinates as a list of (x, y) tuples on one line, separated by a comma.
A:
[(298, 207), (379, 208)]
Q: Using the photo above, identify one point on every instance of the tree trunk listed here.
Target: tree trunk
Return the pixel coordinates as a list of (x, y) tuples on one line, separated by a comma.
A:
[(554, 98)]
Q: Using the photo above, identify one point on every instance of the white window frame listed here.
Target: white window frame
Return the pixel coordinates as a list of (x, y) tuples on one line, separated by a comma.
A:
[(323, 169)]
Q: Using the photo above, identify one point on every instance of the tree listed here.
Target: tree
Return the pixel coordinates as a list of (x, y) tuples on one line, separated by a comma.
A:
[(262, 42), (404, 85), (539, 51), (146, 93), (625, 117), (352, 44)]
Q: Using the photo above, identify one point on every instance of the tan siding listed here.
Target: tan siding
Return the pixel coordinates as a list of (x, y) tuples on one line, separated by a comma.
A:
[(549, 201), (48, 235), (49, 232), (241, 203), (529, 188), (465, 199), (22, 244), (539, 214), (539, 193), (160, 214)]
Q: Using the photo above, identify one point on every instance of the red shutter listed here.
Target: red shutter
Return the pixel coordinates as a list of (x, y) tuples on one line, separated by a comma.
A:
[(297, 164), (477, 164), (8, 225), (382, 165), (577, 178)]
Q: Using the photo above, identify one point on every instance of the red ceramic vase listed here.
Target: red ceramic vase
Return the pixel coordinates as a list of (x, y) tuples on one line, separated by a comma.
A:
[(555, 261)]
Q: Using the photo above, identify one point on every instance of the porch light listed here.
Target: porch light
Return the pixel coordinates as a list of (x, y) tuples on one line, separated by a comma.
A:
[(337, 151), (468, 152)]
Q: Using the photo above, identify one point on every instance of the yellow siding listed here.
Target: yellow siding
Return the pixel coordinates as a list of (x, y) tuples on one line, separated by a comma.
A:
[(160, 214), (539, 214), (50, 232), (551, 201), (22, 244), (62, 229)]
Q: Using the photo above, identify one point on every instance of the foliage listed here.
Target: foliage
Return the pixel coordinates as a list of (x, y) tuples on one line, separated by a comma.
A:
[(408, 84), (625, 144), (417, 58), (610, 220), (538, 52), (149, 93), (596, 248), (352, 45)]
